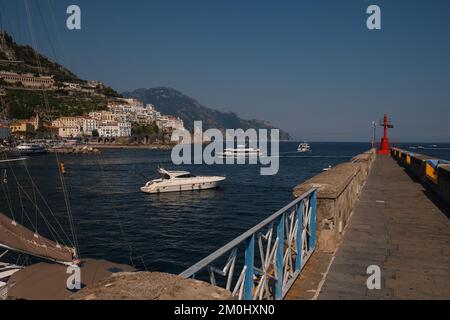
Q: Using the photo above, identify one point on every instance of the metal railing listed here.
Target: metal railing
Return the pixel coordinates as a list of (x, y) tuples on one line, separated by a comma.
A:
[(285, 241)]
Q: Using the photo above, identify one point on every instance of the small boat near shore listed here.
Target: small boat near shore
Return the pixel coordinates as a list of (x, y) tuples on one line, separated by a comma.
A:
[(172, 181), (31, 148)]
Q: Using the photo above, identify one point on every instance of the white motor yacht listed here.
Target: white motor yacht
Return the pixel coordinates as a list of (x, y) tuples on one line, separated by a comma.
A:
[(241, 151), (304, 147), (31, 148), (172, 181)]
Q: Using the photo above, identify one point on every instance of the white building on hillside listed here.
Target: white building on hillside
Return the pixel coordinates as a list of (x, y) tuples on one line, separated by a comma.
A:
[(169, 122), (132, 102), (113, 129), (70, 132), (108, 129), (89, 125), (97, 115), (68, 122), (124, 129)]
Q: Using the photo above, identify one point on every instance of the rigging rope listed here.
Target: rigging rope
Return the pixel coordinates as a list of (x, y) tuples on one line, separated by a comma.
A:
[(127, 243), (5, 189), (64, 188), (20, 189)]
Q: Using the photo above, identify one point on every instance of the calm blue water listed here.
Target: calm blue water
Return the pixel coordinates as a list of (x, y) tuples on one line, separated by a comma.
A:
[(438, 150), (165, 232)]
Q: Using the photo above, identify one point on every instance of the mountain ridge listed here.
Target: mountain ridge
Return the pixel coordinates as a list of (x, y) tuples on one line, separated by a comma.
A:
[(173, 102)]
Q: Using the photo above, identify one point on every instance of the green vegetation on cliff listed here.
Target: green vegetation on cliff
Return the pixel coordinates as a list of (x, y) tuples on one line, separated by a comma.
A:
[(32, 61), (137, 130), (24, 103)]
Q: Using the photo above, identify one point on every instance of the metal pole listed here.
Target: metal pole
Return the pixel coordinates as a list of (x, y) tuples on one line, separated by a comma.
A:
[(374, 125), (249, 262), (279, 259)]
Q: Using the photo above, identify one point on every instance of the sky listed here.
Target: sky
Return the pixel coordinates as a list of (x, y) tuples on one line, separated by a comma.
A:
[(310, 67)]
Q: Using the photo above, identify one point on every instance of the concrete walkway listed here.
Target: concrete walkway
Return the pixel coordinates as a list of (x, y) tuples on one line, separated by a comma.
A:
[(403, 229)]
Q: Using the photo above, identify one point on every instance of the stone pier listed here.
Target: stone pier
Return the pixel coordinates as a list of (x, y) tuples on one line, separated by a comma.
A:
[(400, 224)]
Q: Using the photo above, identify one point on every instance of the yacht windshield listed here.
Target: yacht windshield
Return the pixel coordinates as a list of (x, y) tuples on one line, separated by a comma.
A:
[(165, 176), (188, 175)]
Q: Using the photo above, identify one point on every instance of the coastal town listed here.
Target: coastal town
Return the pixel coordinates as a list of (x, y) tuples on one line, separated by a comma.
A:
[(43, 101), (123, 117)]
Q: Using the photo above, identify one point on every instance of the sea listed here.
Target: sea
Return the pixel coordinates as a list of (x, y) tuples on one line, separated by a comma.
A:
[(166, 232)]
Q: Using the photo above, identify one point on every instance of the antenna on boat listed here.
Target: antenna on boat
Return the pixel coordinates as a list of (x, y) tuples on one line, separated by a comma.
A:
[(143, 175)]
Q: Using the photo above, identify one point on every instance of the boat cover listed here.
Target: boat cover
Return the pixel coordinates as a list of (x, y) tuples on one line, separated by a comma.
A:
[(16, 237), (48, 281)]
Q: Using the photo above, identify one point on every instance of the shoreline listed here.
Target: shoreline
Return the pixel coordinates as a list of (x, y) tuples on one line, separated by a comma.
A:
[(125, 146)]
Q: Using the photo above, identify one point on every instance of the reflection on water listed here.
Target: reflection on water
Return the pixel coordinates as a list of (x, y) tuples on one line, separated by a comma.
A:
[(186, 198)]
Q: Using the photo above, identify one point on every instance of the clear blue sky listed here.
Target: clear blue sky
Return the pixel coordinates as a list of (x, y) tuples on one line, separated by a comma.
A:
[(310, 67)]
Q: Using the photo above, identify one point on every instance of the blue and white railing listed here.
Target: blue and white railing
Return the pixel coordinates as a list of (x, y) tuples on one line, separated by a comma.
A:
[(285, 241)]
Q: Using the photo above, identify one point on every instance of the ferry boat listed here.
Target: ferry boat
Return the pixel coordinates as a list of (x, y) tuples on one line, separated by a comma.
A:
[(240, 151), (304, 147), (172, 181), (31, 148)]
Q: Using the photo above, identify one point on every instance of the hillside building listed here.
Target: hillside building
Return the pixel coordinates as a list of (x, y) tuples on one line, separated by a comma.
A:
[(70, 132), (21, 127), (28, 80), (169, 122)]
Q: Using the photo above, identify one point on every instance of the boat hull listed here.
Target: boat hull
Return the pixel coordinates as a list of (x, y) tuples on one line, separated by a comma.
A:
[(182, 187), (27, 149), (31, 152), (239, 154)]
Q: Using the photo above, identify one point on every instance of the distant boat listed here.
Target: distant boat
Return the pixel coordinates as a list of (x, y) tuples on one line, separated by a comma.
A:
[(304, 147), (173, 181), (240, 151), (31, 148)]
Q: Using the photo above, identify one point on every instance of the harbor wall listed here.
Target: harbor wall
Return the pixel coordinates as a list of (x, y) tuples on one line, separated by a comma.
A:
[(437, 180), (338, 191), (151, 286)]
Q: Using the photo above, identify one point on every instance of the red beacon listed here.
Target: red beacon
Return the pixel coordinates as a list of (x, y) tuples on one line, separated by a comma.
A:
[(384, 145)]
